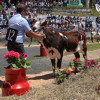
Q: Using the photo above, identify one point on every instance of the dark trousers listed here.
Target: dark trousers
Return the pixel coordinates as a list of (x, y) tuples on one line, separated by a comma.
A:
[(17, 47)]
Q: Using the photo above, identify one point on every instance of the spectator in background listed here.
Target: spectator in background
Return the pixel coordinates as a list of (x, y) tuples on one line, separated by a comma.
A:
[(1, 23), (1, 16), (13, 7), (74, 19), (65, 3), (4, 5), (88, 19), (8, 4), (62, 20), (54, 3), (11, 14), (60, 3)]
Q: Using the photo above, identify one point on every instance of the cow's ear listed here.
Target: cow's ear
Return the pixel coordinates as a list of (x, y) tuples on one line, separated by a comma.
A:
[(44, 23)]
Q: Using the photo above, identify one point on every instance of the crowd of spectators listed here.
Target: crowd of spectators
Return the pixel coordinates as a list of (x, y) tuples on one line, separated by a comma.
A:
[(59, 23), (5, 13), (54, 22), (67, 23), (7, 10), (45, 3), (34, 6)]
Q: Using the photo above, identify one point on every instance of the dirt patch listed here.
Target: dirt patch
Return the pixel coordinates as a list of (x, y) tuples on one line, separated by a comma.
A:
[(37, 80)]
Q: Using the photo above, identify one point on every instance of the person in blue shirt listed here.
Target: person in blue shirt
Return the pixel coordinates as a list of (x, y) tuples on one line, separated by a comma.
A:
[(17, 28)]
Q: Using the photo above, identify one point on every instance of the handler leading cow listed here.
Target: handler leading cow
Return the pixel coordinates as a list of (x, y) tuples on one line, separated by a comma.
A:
[(57, 43)]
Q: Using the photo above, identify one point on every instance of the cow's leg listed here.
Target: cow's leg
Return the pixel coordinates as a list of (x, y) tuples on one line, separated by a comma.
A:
[(53, 65), (84, 51), (59, 62), (77, 55)]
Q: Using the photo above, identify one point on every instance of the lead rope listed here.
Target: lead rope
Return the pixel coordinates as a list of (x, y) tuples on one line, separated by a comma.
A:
[(30, 42)]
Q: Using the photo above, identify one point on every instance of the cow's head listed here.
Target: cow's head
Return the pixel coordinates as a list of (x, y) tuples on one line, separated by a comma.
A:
[(38, 25)]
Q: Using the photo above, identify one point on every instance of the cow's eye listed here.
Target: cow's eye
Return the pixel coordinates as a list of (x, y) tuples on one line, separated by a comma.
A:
[(34, 28)]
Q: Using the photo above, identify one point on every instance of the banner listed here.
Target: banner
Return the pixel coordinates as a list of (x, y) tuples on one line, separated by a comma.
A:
[(74, 3)]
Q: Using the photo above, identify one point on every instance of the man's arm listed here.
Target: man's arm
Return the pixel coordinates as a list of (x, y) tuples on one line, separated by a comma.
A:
[(35, 35)]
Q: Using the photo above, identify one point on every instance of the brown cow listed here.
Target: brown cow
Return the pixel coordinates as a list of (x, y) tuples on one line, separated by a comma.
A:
[(56, 43)]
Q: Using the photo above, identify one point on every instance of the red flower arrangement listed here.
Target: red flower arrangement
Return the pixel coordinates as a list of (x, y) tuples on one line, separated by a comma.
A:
[(16, 60), (69, 71), (61, 74), (90, 63), (74, 60), (75, 66), (12, 54), (53, 68)]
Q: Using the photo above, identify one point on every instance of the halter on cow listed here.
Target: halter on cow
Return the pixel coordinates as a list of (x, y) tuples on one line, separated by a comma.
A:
[(56, 43)]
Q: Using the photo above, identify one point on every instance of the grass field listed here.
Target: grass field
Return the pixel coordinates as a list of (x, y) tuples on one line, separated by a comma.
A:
[(92, 47)]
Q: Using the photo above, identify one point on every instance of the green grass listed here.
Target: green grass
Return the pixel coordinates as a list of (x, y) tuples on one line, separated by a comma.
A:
[(94, 12), (92, 47)]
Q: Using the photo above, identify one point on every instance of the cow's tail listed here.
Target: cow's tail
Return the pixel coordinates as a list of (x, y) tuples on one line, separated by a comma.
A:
[(83, 44)]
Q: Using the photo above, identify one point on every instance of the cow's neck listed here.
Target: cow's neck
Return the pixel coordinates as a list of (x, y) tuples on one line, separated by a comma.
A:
[(46, 30)]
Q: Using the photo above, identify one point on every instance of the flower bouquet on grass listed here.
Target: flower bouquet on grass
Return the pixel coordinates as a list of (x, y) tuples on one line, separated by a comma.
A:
[(61, 74), (16, 60), (90, 63), (74, 66)]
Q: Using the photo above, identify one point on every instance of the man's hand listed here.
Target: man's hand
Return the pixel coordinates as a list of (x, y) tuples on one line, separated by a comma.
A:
[(40, 36), (28, 35)]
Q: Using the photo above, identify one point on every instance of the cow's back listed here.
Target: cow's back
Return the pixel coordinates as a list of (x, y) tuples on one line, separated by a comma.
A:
[(73, 40)]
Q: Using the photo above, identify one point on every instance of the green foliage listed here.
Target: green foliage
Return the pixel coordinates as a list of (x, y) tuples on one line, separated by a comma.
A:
[(74, 66), (18, 63), (61, 74)]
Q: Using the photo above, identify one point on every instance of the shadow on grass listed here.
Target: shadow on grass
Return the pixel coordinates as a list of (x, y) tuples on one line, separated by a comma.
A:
[(45, 77), (37, 56)]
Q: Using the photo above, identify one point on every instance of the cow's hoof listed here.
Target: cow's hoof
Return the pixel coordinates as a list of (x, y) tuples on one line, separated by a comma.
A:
[(53, 75)]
